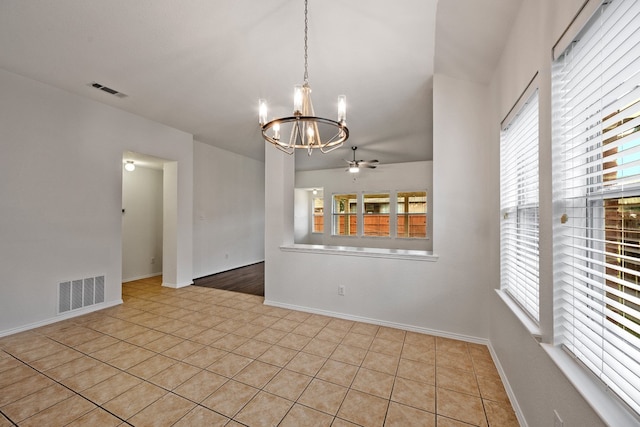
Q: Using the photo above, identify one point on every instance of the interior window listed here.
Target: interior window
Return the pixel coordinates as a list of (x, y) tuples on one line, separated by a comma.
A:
[(412, 214), (318, 214), (376, 214), (345, 214)]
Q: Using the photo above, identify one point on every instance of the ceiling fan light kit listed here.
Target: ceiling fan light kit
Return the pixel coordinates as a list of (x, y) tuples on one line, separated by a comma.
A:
[(306, 130), (355, 165)]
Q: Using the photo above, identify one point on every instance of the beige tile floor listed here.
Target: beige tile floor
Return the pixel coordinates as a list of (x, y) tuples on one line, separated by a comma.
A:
[(205, 357)]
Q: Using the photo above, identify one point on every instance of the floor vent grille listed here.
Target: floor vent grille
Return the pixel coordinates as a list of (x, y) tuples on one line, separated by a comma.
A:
[(80, 293)]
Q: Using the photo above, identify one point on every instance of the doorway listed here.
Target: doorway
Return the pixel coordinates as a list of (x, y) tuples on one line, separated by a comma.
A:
[(142, 216)]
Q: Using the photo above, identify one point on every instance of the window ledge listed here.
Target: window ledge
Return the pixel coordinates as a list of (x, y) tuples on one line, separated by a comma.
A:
[(406, 254), (526, 321), (608, 407)]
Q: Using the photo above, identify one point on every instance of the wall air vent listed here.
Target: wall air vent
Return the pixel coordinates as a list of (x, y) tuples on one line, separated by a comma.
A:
[(107, 89), (76, 294)]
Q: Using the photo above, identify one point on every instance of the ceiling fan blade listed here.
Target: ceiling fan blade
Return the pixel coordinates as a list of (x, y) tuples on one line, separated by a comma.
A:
[(365, 163)]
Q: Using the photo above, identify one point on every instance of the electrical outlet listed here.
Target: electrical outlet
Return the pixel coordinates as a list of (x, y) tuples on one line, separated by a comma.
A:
[(557, 421), (341, 290), (153, 260)]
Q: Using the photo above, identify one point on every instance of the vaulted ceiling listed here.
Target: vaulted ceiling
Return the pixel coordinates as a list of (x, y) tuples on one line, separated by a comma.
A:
[(201, 65)]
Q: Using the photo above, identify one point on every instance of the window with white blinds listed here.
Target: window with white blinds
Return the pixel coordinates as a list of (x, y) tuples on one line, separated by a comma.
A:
[(519, 253), (596, 105)]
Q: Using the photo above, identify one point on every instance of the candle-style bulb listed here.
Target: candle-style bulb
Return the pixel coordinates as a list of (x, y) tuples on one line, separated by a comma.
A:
[(342, 108), (297, 99), (276, 131), (262, 111)]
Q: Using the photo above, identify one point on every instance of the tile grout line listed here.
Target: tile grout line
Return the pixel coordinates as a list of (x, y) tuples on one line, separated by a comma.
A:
[(76, 393), (161, 308), (103, 362), (7, 417)]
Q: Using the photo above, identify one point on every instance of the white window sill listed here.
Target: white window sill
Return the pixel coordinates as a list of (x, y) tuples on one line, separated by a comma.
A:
[(406, 254), (608, 407), (524, 318)]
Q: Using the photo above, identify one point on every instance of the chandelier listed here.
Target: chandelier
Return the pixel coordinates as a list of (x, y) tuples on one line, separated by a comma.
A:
[(306, 131)]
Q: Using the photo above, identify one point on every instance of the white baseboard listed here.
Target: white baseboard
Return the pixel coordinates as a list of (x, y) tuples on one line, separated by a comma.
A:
[(65, 316), (467, 338), (146, 276), (177, 285), (507, 387), (402, 326)]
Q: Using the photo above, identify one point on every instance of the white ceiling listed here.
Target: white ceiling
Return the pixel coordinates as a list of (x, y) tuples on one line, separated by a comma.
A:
[(201, 65)]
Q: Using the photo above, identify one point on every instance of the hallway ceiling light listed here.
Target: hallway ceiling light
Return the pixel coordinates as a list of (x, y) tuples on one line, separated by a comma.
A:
[(129, 166), (306, 130)]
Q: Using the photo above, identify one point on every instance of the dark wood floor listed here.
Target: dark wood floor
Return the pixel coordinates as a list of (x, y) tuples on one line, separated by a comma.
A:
[(248, 280)]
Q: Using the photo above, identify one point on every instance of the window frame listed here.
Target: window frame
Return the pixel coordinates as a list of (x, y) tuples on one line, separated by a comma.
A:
[(584, 324), (520, 200), (365, 214), (347, 215), (408, 215)]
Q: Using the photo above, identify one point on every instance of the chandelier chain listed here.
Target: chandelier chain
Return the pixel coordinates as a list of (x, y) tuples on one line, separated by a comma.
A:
[(306, 56)]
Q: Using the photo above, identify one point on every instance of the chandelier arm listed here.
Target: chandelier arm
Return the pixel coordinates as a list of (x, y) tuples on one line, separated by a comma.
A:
[(323, 150), (333, 144), (293, 135), (299, 136), (279, 145), (334, 137), (289, 151)]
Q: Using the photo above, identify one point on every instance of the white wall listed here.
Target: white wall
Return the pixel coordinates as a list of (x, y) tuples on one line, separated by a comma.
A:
[(141, 223), (61, 195), (414, 176), (448, 296), (539, 386), (228, 220)]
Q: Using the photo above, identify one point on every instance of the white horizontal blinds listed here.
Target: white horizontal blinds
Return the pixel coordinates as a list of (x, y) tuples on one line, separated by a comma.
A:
[(519, 249), (597, 124)]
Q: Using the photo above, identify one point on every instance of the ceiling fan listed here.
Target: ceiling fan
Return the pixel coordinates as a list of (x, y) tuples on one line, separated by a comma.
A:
[(355, 165)]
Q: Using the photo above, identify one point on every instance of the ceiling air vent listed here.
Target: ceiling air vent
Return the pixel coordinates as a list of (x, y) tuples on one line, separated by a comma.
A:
[(107, 89)]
